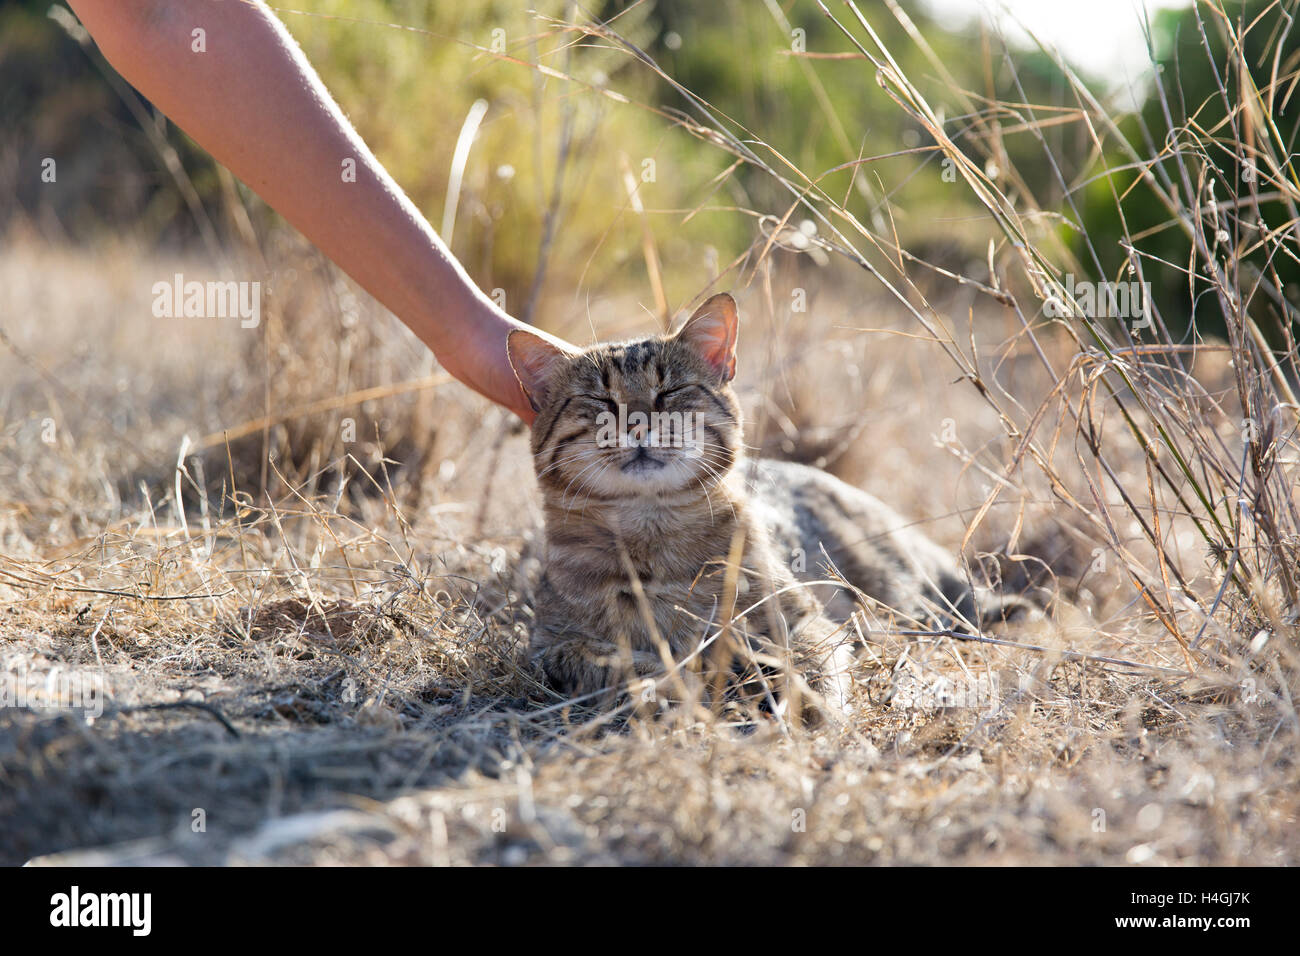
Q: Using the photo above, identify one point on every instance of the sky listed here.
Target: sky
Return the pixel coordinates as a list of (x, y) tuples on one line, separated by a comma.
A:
[(1102, 36)]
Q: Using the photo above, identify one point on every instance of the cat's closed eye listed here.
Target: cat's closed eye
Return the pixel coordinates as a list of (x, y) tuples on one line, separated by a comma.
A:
[(600, 403), (663, 396)]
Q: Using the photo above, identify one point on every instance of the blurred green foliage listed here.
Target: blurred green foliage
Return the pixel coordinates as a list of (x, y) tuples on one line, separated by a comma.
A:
[(56, 103), (545, 189), (549, 150), (1194, 62)]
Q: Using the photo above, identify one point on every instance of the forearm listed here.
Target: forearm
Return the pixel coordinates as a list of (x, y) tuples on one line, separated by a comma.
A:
[(254, 102)]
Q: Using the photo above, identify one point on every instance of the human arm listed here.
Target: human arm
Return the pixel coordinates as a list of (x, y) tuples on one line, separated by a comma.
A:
[(254, 102)]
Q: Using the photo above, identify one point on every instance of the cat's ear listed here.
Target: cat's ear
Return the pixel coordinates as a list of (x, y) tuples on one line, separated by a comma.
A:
[(536, 360), (711, 334)]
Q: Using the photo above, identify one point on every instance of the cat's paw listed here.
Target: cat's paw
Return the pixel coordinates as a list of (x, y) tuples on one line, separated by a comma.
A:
[(595, 669), (996, 609)]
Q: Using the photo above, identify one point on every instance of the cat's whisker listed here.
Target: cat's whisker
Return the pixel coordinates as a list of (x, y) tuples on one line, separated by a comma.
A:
[(590, 486), (560, 463), (590, 465), (597, 463), (572, 456)]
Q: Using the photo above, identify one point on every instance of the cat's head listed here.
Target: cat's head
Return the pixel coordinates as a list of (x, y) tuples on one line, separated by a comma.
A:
[(639, 418)]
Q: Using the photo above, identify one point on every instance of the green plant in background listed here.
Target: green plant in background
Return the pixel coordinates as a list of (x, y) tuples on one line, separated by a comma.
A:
[(58, 103), (545, 213), (1200, 124), (574, 117)]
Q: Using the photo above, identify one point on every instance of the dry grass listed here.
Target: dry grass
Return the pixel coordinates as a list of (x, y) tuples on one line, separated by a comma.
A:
[(353, 690), (312, 632)]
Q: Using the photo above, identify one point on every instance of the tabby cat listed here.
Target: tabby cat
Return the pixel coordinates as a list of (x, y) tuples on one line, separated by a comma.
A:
[(659, 531)]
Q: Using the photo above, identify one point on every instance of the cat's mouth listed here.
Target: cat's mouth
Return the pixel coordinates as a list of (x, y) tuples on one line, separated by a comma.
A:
[(642, 461)]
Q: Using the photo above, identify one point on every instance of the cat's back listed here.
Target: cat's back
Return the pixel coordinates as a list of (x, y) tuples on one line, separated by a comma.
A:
[(811, 516)]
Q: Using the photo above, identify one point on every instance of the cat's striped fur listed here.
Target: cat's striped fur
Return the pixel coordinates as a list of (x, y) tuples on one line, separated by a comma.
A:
[(638, 536)]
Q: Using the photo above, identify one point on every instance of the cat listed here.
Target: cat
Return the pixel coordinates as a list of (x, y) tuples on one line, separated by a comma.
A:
[(659, 529)]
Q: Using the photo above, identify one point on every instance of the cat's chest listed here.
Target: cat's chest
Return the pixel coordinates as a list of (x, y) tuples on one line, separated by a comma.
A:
[(653, 541), (657, 523), (647, 570), (669, 553)]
